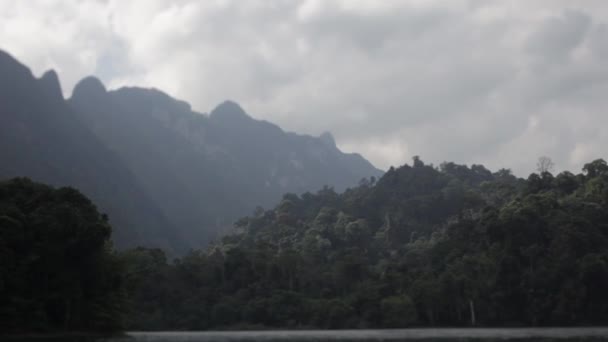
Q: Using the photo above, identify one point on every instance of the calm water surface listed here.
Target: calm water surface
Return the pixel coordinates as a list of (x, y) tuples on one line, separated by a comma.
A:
[(446, 335), (408, 335)]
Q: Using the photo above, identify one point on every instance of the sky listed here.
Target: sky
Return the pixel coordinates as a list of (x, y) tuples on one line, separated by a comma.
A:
[(498, 83)]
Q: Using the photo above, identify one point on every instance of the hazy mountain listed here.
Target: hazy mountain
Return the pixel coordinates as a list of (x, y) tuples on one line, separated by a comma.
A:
[(42, 138), (205, 171), (166, 175)]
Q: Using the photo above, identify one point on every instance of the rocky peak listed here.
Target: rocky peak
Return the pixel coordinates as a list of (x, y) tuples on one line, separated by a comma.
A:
[(50, 83), (229, 110), (328, 139), (89, 87)]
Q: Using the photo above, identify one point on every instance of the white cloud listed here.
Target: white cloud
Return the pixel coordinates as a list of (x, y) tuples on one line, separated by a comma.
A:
[(492, 82)]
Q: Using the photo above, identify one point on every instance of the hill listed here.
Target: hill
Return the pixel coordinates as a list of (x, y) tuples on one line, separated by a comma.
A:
[(423, 246)]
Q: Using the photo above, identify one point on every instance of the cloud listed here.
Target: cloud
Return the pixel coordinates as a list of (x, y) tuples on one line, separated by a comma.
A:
[(558, 35), (492, 82)]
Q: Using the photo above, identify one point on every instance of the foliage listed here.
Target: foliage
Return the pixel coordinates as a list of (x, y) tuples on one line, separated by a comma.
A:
[(421, 246), (57, 270), (453, 245)]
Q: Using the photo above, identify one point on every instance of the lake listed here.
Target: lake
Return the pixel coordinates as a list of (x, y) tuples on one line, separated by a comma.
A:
[(443, 334), (409, 335)]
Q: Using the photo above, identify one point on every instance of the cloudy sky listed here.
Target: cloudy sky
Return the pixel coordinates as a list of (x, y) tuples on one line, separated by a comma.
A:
[(493, 82)]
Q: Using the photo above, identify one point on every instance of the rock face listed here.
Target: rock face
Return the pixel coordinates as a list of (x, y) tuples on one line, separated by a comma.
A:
[(166, 175)]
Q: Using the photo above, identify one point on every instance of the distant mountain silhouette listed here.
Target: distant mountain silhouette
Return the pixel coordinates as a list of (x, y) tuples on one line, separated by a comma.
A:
[(166, 175), (42, 138), (205, 171)]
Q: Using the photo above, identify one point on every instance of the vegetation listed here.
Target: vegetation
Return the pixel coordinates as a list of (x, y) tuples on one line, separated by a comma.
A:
[(422, 246), (57, 270)]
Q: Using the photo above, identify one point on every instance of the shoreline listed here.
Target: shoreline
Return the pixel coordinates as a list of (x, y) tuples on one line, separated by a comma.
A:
[(476, 333), (59, 335), (388, 334)]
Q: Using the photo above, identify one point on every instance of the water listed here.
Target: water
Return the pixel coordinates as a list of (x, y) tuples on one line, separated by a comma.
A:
[(408, 335), (444, 335)]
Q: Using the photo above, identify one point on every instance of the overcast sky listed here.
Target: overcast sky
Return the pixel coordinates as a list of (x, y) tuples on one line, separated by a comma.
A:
[(493, 82)]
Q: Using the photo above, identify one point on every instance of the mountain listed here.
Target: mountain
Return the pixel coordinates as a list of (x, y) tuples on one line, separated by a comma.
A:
[(205, 171), (41, 137), (166, 175)]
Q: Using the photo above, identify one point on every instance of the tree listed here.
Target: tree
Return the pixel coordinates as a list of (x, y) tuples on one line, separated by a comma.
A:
[(596, 168), (544, 164), (59, 272), (398, 311), (417, 162)]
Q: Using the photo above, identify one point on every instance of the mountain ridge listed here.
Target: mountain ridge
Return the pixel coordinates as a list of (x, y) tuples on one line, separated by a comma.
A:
[(42, 138), (252, 162), (167, 176)]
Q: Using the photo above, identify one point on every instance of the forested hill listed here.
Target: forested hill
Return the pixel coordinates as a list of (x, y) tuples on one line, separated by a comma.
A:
[(423, 246)]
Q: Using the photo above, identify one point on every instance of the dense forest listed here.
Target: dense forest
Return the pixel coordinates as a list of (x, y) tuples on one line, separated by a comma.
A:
[(421, 246), (57, 268)]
